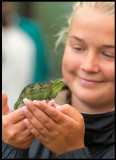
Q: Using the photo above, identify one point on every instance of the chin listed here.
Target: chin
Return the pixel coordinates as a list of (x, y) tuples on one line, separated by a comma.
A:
[(86, 97)]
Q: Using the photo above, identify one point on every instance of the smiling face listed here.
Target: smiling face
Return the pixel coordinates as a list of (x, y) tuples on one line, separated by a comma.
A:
[(88, 62)]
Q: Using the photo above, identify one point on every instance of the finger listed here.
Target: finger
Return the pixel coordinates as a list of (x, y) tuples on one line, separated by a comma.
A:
[(36, 122), (52, 112), (21, 129), (27, 133), (23, 138), (21, 126), (70, 111), (16, 116), (5, 107), (33, 130), (52, 103), (43, 118)]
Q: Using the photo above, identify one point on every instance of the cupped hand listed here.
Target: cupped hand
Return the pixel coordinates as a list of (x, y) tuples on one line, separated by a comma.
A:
[(14, 131), (60, 130)]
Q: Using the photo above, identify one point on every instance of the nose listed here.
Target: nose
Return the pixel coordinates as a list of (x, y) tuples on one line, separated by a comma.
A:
[(90, 63)]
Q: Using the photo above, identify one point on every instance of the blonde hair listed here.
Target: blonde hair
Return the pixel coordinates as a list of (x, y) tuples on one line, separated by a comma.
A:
[(106, 7)]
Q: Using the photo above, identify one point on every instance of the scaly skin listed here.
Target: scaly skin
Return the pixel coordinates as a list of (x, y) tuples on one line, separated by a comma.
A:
[(40, 91)]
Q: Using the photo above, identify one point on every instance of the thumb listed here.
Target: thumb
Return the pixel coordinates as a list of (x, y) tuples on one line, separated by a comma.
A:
[(5, 107)]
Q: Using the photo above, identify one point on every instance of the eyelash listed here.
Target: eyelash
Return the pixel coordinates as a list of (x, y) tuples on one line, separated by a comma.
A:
[(78, 49), (108, 55)]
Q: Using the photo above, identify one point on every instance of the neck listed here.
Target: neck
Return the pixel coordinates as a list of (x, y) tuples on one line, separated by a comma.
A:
[(88, 108)]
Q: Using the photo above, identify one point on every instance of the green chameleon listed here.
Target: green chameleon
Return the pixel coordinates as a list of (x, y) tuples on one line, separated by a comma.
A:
[(40, 91)]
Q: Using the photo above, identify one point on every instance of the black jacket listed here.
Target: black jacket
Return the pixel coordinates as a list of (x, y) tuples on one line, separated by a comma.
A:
[(99, 142)]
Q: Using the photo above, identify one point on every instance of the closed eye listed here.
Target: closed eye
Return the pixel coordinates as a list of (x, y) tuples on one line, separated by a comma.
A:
[(108, 55), (78, 49)]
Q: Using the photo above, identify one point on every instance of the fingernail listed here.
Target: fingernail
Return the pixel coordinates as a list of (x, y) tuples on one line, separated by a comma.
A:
[(26, 101), (26, 121), (3, 92), (51, 102), (44, 101), (25, 109), (58, 107), (36, 103)]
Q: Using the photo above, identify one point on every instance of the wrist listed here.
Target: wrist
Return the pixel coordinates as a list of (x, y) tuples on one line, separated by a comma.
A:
[(78, 146)]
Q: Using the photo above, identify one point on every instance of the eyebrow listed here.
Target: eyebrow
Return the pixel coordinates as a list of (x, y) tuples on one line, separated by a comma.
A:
[(109, 46), (79, 39)]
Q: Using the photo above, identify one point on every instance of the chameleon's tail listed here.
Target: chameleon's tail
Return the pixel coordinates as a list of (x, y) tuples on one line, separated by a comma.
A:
[(17, 104)]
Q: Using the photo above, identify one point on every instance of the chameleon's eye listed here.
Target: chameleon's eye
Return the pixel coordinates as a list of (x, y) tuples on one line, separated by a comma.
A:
[(58, 82)]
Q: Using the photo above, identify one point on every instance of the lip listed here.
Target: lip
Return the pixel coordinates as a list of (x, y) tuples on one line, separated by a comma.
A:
[(89, 81)]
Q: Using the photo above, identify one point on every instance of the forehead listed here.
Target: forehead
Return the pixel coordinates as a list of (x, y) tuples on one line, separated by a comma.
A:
[(93, 24)]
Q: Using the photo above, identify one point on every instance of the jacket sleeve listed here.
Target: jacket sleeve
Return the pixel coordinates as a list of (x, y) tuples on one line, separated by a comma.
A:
[(82, 153), (10, 152)]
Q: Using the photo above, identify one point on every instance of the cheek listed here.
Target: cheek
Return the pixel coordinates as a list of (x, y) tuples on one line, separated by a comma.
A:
[(109, 72), (70, 63)]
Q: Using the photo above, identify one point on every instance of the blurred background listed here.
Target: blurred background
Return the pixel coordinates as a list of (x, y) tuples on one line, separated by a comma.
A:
[(28, 41), (52, 16)]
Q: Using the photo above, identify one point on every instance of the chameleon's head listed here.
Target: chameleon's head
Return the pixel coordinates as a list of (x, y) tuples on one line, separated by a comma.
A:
[(59, 84), (56, 87)]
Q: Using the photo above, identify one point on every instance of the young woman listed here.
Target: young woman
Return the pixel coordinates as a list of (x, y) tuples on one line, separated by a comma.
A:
[(81, 126)]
